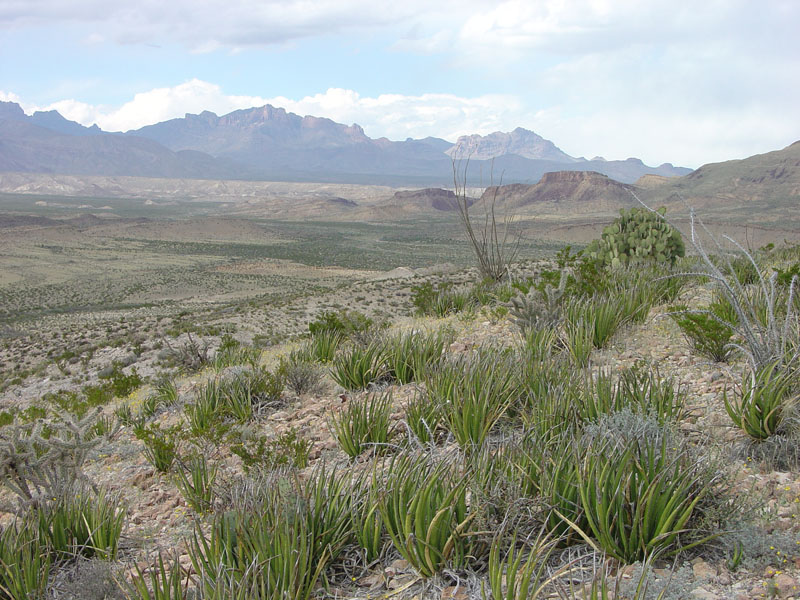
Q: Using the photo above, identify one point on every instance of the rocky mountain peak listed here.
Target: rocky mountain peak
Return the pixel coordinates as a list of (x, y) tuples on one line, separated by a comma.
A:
[(521, 142), (11, 110)]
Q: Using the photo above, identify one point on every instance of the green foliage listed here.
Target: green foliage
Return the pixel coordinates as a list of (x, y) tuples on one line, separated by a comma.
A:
[(24, 563), (423, 418), (442, 300), (363, 424), (287, 450), (80, 522), (579, 340), (280, 550), (766, 396), (602, 314), (232, 353), (424, 511), (267, 556), (323, 345), (346, 322), (546, 467), (160, 445), (637, 235), (410, 354), (159, 582), (247, 391), (367, 522), (358, 366), (521, 574), (195, 480), (707, 332), (542, 343), (640, 389), (121, 384), (639, 493), (473, 395)]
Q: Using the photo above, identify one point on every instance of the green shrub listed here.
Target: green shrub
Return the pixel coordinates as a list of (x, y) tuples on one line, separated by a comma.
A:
[(440, 301), (409, 354), (521, 574), (232, 353), (579, 340), (547, 469), (268, 556), (708, 332), (363, 424), (195, 480), (424, 511), (473, 395), (603, 315), (121, 384), (766, 395), (249, 390), (287, 450), (540, 344), (346, 322), (640, 389), (323, 345), (640, 488), (160, 445), (355, 368), (80, 522), (637, 235), (159, 582), (423, 418), (24, 563)]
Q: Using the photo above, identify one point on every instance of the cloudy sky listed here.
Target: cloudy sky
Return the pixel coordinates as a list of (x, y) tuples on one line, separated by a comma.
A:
[(676, 81)]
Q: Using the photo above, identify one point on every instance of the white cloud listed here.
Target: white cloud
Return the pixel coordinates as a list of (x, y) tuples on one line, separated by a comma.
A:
[(153, 106), (395, 116), (10, 97), (398, 116), (200, 24)]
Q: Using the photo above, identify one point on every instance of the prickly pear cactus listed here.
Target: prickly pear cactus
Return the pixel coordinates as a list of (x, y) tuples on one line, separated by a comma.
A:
[(638, 235)]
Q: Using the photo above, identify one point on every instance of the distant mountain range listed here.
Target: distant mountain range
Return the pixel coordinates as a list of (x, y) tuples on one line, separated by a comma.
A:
[(268, 143), (764, 188)]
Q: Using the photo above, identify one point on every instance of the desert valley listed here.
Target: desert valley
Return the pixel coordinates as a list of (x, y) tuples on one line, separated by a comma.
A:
[(258, 355)]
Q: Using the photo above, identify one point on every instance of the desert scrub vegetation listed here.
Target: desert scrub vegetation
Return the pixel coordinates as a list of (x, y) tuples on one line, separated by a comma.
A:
[(505, 468)]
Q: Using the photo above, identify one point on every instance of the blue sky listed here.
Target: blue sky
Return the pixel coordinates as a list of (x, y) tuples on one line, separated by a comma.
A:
[(666, 81)]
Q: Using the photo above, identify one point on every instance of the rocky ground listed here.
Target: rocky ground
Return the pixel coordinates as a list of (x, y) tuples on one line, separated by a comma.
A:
[(159, 518)]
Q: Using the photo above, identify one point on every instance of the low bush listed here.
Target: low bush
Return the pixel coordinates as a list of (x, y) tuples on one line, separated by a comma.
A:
[(708, 332), (80, 522), (640, 488), (423, 418), (345, 322), (25, 564), (195, 480), (363, 424), (410, 354), (160, 445), (474, 394), (159, 582), (300, 376), (424, 511), (766, 396), (356, 367)]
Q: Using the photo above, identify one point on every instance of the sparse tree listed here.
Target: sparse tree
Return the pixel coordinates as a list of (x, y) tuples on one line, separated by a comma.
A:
[(495, 245)]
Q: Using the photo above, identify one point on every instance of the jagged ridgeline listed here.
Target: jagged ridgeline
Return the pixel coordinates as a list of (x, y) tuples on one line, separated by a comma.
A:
[(638, 235)]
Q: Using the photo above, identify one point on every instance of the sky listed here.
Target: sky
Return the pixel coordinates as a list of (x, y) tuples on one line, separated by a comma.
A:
[(677, 81)]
